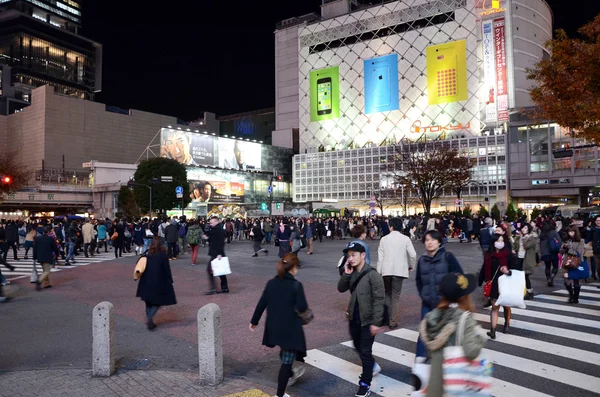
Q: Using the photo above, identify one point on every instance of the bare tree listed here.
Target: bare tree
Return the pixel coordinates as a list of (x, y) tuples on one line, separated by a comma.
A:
[(429, 170), (13, 175)]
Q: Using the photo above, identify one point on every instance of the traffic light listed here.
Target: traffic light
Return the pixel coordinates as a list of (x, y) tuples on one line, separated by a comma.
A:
[(278, 177), (263, 206), (278, 206), (6, 180)]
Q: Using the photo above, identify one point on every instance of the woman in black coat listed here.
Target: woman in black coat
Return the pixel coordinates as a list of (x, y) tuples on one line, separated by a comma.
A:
[(156, 284), (284, 298)]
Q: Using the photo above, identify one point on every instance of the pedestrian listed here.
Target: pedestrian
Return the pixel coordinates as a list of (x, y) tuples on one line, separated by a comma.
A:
[(296, 236), (155, 286), (88, 234), (268, 229), (365, 310), (498, 261), (572, 250), (139, 233), (193, 238), (309, 235), (485, 235), (431, 268), (45, 251), (182, 234), (548, 251), (172, 236), (29, 237), (396, 258), (526, 246), (283, 298), (216, 250), (12, 239), (70, 238), (102, 237), (283, 233), (257, 234), (439, 328), (592, 237)]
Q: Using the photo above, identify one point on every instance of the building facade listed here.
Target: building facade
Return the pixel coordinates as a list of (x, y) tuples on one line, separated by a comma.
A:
[(40, 44), (359, 80), (255, 125)]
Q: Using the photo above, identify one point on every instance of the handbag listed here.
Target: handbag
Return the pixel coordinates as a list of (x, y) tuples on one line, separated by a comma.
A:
[(464, 377), (306, 316), (581, 272), (487, 288), (220, 267), (34, 275), (114, 236), (140, 268), (571, 261)]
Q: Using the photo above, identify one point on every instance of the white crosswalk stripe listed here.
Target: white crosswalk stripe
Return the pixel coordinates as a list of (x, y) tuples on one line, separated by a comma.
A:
[(541, 356), (24, 267)]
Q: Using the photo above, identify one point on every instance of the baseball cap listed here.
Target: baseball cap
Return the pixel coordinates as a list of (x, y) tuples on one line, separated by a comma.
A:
[(455, 285), (356, 247)]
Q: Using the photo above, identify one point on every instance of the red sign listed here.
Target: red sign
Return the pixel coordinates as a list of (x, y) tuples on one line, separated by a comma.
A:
[(501, 77)]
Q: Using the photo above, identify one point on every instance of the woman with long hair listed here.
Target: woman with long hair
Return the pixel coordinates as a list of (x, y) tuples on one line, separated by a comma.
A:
[(155, 286), (498, 260), (526, 248), (284, 298), (572, 250), (438, 329)]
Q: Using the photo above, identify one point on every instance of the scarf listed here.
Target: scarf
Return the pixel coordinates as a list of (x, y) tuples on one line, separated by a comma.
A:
[(502, 258)]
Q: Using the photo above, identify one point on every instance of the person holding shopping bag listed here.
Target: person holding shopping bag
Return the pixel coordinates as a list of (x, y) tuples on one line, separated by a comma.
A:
[(286, 305), (526, 249), (439, 328), (155, 285), (572, 257)]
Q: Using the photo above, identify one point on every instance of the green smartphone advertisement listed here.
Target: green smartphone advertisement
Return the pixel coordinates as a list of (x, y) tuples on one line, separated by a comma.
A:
[(325, 94)]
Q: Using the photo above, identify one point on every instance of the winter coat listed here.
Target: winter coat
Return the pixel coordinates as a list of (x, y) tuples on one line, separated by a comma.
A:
[(593, 236), (101, 232), (45, 249), (530, 243), (396, 255), (194, 235), (431, 271), (216, 241), (156, 284), (296, 240), (138, 235), (171, 234), (12, 233), (574, 248), (369, 294), (283, 298), (438, 330), (87, 231), (545, 246), (491, 269)]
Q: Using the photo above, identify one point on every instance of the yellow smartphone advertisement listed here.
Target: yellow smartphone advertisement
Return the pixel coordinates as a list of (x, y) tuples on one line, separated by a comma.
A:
[(447, 72)]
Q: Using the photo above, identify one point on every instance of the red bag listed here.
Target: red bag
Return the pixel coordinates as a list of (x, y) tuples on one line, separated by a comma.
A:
[(487, 289)]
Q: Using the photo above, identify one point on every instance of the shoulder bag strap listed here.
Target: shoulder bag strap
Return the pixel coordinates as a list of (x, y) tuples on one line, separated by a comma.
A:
[(353, 287), (460, 333)]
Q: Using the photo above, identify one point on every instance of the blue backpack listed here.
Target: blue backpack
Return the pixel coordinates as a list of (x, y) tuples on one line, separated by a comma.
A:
[(555, 244)]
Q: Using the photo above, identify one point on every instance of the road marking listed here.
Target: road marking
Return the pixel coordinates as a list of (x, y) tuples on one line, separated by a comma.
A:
[(556, 317), (586, 294), (564, 300), (249, 393), (564, 308), (543, 370), (381, 384), (544, 329), (590, 288)]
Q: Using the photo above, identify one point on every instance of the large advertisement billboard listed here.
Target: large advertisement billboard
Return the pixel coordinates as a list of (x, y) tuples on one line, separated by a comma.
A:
[(501, 76), (381, 84), (215, 190), (447, 72), (325, 94), (196, 149), (489, 72)]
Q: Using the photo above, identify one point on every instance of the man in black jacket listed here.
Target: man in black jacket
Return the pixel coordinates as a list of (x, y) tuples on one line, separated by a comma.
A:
[(171, 236), (45, 251), (216, 250), (12, 239)]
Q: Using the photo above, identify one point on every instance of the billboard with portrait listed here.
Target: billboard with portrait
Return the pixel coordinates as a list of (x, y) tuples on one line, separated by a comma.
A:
[(239, 155), (216, 191), (187, 148)]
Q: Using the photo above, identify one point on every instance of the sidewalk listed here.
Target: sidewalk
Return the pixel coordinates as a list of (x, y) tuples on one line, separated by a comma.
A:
[(79, 383)]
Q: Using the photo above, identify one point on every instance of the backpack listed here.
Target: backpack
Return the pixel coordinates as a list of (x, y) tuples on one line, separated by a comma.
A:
[(554, 244), (194, 235), (182, 231), (485, 238)]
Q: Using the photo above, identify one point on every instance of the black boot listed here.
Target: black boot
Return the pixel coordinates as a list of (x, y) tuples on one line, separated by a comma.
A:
[(492, 333), (576, 291), (571, 293)]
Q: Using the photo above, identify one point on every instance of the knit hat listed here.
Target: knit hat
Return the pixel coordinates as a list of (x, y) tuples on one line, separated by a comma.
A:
[(455, 285)]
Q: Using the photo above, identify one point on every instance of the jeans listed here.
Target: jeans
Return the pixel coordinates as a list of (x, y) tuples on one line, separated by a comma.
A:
[(70, 250), (183, 244), (147, 242), (393, 288), (268, 236), (421, 349), (363, 343), (151, 311)]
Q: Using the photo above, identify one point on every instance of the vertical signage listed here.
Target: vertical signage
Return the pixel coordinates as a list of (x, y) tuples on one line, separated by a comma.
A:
[(489, 72), (501, 78)]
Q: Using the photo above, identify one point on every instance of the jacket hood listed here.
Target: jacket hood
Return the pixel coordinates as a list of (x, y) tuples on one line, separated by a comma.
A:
[(439, 326)]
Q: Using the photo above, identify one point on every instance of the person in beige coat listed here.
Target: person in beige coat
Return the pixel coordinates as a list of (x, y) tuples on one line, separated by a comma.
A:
[(396, 258), (87, 231)]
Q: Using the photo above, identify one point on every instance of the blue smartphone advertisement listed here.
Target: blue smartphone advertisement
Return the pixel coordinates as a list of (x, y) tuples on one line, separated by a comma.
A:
[(381, 84)]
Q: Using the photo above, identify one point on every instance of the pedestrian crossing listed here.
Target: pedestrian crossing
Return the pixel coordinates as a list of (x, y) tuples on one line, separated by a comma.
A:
[(553, 350), (24, 267)]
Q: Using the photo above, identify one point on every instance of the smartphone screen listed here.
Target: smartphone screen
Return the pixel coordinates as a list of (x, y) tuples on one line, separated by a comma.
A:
[(324, 96), (381, 81), (447, 75)]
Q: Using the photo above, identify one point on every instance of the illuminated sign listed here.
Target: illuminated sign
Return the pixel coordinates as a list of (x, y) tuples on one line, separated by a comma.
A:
[(501, 69), (417, 128), (489, 7), (489, 72)]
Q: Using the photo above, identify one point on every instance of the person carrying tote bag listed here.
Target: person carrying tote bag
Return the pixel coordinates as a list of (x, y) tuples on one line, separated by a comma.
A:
[(572, 265)]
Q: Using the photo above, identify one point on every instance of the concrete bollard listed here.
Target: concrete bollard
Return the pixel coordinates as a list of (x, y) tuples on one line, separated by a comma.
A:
[(103, 349), (210, 345)]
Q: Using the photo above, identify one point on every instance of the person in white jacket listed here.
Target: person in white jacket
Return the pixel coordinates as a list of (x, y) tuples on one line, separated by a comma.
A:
[(396, 258)]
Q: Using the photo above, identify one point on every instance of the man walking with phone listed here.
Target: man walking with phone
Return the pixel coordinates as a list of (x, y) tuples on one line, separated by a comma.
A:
[(365, 310)]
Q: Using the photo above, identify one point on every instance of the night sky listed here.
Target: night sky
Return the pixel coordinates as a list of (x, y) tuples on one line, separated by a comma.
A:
[(181, 58)]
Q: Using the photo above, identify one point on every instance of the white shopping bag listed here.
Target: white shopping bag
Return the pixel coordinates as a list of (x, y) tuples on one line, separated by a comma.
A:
[(220, 267), (511, 289)]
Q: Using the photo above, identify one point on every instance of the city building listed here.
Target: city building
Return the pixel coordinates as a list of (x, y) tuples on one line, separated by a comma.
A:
[(358, 79), (40, 45), (256, 125)]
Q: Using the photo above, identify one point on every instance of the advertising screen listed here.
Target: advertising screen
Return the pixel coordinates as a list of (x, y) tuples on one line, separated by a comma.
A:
[(325, 94), (381, 84), (239, 154), (219, 191), (447, 72), (489, 72), (187, 148)]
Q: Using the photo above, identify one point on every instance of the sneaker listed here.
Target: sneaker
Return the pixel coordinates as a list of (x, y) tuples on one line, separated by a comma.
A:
[(255, 255), (363, 390), (296, 373), (285, 395), (376, 369)]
